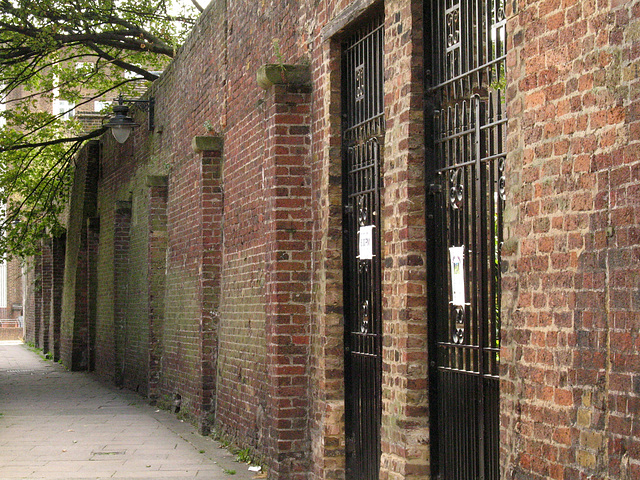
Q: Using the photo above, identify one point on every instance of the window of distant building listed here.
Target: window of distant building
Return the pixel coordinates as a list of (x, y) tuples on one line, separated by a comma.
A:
[(98, 105)]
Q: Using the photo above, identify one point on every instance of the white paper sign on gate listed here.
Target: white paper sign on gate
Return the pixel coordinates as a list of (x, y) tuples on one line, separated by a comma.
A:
[(365, 242), (456, 256)]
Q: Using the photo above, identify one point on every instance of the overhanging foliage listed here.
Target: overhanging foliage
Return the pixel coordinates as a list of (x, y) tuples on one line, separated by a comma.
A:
[(66, 54)]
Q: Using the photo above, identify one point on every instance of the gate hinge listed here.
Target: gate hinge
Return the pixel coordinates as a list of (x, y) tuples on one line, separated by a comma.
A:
[(435, 188), (350, 445)]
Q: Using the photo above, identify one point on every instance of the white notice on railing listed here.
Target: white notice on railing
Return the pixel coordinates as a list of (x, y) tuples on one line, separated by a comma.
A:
[(456, 255), (365, 242)]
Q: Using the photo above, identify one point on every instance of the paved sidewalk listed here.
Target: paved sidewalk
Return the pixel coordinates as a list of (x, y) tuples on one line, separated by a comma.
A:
[(59, 425)]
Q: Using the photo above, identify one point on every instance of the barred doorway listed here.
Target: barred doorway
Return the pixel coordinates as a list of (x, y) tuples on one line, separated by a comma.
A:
[(363, 131), (466, 131)]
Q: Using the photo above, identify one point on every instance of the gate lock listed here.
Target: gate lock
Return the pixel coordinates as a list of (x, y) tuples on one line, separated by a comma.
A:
[(458, 334)]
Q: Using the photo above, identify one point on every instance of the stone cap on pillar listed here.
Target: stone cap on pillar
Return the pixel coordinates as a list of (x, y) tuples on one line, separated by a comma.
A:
[(157, 181), (283, 74), (207, 143)]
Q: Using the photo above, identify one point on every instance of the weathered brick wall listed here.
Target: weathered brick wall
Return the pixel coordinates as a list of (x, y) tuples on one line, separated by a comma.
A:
[(326, 372), (287, 187), (219, 271), (212, 209), (135, 308), (36, 322), (75, 348), (157, 225), (570, 397), (43, 282), (244, 394), (405, 449), (57, 287), (242, 399), (114, 207), (11, 333), (119, 255), (404, 436)]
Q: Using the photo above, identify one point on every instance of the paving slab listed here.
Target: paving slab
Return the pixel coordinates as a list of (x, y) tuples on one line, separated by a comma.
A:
[(61, 425)]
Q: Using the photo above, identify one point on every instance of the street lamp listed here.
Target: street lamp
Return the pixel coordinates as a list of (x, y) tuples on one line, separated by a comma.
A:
[(121, 124)]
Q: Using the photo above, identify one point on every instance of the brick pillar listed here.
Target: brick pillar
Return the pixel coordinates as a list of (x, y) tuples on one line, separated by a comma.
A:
[(121, 243), (80, 357), (287, 177), (46, 283), (75, 320), (157, 187), (93, 238), (405, 418), (29, 300), (211, 208), (36, 336), (58, 256)]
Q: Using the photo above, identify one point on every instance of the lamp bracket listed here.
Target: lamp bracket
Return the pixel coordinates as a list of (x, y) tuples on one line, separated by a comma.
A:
[(146, 105)]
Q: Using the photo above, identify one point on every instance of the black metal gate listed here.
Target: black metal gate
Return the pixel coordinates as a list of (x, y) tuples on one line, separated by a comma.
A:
[(363, 129), (466, 125)]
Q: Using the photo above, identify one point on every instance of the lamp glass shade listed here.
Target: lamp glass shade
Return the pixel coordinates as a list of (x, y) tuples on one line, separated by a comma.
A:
[(121, 132)]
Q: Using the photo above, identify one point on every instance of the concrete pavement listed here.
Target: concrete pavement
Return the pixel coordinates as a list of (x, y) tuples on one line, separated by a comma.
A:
[(60, 425)]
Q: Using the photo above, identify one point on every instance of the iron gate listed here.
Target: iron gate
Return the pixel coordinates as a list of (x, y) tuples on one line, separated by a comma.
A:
[(363, 129), (467, 127)]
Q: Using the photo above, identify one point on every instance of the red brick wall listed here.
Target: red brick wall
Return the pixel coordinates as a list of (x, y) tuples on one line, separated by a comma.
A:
[(11, 333), (570, 354), (277, 382), (196, 85), (221, 286), (326, 416), (134, 308), (34, 328)]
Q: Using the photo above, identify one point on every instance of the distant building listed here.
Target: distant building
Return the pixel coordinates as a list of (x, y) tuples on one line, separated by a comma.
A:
[(11, 290)]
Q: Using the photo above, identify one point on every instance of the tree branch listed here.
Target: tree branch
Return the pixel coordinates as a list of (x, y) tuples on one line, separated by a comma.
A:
[(122, 64), (57, 141)]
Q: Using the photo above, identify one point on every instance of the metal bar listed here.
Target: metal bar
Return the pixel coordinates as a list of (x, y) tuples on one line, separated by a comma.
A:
[(364, 122), (481, 228), (449, 81)]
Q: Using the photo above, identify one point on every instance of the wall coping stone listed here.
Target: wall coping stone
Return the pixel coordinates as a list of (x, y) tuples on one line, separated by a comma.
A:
[(348, 15), (207, 143), (123, 205), (272, 74), (157, 181)]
